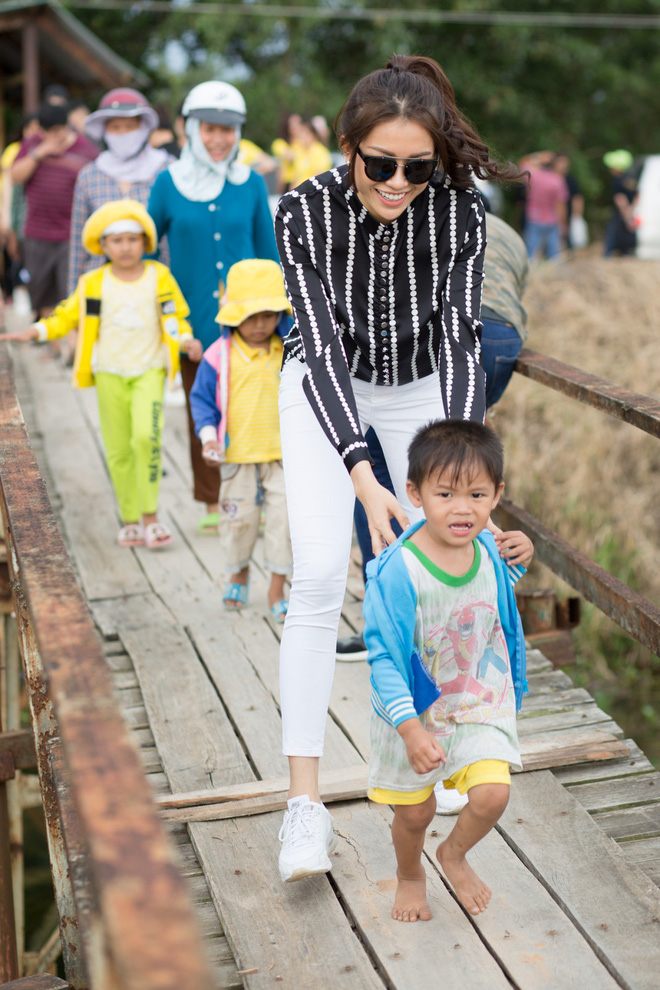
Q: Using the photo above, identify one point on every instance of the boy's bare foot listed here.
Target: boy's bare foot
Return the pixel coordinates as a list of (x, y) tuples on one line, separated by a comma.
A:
[(471, 891), (410, 903)]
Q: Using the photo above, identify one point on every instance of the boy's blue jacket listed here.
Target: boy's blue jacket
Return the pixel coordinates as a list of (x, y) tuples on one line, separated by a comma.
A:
[(402, 686)]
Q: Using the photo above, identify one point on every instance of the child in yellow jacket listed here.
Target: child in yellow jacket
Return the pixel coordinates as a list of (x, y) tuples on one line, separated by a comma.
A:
[(131, 320)]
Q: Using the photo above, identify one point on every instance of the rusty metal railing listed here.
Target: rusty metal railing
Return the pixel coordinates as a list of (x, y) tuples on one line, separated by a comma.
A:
[(637, 616), (126, 922)]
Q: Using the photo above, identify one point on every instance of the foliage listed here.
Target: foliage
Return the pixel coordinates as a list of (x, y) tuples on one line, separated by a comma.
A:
[(586, 90)]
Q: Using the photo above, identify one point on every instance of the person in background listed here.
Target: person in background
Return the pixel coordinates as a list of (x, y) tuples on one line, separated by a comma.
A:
[(127, 168), (133, 320), (163, 134), (234, 406), (47, 166), (545, 208), (311, 157), (56, 96), (504, 318), (284, 148), (12, 209), (620, 232), (575, 201), (214, 212), (79, 111)]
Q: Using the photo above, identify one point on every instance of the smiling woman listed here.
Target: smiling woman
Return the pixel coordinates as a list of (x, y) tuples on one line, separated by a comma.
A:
[(383, 261)]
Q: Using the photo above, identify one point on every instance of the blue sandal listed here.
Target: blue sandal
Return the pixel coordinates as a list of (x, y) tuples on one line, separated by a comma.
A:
[(234, 597), (278, 611)]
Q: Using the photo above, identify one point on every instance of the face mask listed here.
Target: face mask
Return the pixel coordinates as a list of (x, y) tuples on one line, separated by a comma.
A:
[(127, 145)]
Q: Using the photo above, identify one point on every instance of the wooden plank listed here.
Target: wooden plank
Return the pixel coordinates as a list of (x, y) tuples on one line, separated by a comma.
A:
[(547, 749), (525, 929), (634, 763), (258, 788), (297, 932), (630, 823), (446, 951), (343, 790), (88, 510), (40, 981), (624, 792), (610, 900), (177, 695)]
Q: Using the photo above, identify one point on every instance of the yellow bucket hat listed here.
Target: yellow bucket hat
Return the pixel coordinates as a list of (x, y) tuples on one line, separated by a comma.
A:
[(253, 286), (111, 213)]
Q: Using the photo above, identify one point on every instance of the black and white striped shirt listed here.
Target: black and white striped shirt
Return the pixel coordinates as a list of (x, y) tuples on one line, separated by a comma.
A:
[(384, 303)]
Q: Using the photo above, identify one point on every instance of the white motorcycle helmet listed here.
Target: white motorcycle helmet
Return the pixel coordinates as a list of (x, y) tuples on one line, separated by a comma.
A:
[(215, 102)]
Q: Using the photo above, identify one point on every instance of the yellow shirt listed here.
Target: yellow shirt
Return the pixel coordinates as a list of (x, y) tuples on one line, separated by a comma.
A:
[(253, 421), (129, 332)]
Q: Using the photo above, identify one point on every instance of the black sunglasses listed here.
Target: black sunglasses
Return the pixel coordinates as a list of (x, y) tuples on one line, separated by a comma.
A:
[(416, 170)]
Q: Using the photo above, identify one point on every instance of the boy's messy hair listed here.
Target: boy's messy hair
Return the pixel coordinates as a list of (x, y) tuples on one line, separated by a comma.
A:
[(458, 446)]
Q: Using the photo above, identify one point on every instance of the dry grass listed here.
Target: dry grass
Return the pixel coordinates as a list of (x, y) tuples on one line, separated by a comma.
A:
[(586, 475)]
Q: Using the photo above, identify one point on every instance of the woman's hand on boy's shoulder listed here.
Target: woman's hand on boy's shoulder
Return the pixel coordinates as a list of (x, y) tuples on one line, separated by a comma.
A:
[(515, 547), (423, 752)]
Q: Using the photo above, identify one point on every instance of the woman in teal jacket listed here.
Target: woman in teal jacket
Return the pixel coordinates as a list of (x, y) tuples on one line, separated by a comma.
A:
[(214, 212)]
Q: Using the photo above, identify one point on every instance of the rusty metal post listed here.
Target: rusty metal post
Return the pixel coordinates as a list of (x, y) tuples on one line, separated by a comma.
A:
[(14, 787), (46, 735), (8, 954)]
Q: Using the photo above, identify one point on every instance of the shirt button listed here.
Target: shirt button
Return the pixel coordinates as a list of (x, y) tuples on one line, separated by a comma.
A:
[(216, 294), (383, 299), (216, 237), (211, 207), (383, 333), (219, 264), (386, 246)]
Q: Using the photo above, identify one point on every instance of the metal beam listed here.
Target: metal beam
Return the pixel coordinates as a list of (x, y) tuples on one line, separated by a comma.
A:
[(642, 411), (633, 613)]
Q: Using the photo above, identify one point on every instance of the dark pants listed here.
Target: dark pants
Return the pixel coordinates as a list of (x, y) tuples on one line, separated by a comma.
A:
[(206, 478), (500, 346)]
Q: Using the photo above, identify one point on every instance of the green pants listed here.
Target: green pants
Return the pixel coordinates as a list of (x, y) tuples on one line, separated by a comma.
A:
[(131, 414)]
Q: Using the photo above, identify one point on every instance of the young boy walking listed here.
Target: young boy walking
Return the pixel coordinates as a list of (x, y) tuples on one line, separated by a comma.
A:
[(131, 319), (447, 657), (234, 404)]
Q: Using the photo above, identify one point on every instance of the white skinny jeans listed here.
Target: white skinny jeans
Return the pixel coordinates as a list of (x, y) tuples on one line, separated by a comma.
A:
[(320, 499)]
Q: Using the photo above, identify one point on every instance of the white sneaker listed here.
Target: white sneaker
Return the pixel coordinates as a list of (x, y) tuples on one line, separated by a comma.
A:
[(448, 801), (307, 839)]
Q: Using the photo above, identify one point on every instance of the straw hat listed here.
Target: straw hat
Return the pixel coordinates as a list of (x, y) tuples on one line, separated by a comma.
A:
[(253, 286), (109, 213)]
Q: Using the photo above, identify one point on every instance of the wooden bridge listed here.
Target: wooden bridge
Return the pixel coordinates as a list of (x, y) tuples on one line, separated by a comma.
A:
[(574, 864)]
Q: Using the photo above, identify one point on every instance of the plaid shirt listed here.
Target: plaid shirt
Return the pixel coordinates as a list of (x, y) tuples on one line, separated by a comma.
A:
[(93, 189)]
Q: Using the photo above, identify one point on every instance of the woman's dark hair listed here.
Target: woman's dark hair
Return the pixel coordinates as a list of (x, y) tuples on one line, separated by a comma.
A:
[(455, 445), (414, 87)]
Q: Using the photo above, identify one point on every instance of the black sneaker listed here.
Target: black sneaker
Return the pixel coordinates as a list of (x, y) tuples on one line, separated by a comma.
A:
[(351, 648)]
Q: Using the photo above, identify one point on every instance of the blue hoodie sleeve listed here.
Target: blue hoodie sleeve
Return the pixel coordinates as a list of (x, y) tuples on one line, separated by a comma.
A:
[(391, 695), (203, 407)]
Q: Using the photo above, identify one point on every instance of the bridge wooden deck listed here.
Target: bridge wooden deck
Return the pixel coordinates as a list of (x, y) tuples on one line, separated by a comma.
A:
[(574, 864)]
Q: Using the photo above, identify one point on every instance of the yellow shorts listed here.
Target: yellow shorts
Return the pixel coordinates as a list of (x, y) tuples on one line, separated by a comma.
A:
[(481, 772)]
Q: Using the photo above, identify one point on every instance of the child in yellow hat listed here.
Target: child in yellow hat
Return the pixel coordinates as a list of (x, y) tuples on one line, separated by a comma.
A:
[(131, 318), (234, 404)]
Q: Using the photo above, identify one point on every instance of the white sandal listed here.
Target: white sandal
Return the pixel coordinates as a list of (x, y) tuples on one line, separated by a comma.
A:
[(157, 535), (131, 535)]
